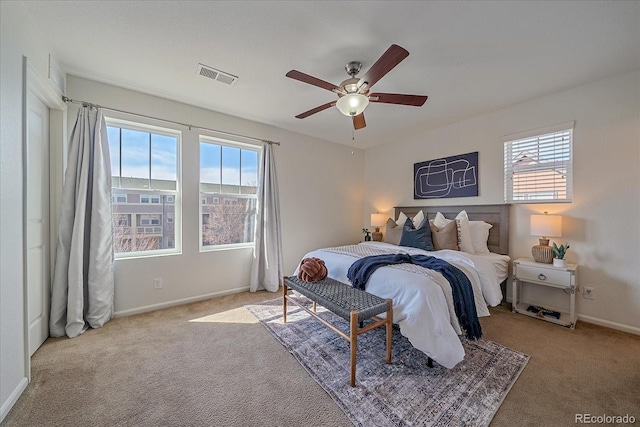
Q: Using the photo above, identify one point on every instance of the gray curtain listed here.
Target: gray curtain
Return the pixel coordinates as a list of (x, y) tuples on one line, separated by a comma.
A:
[(266, 270), (83, 283)]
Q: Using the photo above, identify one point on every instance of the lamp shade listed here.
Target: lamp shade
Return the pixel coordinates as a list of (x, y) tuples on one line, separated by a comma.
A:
[(352, 104), (546, 225), (378, 219)]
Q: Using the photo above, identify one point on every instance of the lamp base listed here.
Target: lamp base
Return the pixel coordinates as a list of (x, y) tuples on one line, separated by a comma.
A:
[(376, 236), (542, 254)]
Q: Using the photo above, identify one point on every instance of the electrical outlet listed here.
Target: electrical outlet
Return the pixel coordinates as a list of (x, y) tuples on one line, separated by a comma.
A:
[(588, 293), (157, 283)]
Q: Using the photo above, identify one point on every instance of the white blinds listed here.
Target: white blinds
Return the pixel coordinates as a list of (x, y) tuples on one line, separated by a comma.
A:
[(538, 168)]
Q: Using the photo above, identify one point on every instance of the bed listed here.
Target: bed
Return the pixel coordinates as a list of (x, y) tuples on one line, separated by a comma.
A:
[(422, 300)]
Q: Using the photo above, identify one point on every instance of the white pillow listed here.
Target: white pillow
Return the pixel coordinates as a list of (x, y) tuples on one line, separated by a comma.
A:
[(417, 220), (480, 236), (464, 231), (440, 221), (402, 218)]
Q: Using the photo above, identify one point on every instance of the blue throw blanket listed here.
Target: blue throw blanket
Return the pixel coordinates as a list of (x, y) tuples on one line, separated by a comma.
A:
[(463, 300)]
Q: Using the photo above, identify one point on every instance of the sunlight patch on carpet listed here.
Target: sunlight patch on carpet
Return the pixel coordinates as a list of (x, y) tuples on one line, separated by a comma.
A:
[(237, 315)]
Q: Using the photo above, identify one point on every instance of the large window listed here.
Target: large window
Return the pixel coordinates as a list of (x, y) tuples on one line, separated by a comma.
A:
[(538, 168), (145, 171), (228, 186)]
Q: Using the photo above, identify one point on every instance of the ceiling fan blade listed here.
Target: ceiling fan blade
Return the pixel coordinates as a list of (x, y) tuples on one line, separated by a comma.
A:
[(358, 121), (392, 57), (396, 98), (316, 110), (306, 78)]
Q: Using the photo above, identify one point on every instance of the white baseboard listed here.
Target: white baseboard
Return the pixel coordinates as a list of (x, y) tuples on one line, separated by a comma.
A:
[(609, 324), (13, 398), (167, 304), (606, 323)]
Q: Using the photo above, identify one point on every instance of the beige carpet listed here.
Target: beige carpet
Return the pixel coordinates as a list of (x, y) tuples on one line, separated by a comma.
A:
[(212, 364)]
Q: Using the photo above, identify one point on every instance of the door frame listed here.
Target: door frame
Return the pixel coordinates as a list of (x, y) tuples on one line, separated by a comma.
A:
[(52, 98)]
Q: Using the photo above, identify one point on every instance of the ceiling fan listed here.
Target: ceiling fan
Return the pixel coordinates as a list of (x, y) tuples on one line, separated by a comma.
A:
[(353, 93)]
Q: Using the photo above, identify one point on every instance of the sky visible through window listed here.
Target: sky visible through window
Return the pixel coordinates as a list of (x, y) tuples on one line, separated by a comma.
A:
[(220, 164), (133, 154)]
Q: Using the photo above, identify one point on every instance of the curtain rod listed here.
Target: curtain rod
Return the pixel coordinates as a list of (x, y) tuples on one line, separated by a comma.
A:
[(91, 105)]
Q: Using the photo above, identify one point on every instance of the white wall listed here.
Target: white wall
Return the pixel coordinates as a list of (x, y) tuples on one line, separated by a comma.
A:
[(602, 223), (321, 197), (19, 38)]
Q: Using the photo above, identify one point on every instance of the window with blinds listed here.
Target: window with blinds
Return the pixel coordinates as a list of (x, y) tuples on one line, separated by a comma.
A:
[(538, 169)]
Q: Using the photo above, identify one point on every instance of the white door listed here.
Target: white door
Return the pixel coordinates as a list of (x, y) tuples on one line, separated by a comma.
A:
[(37, 221)]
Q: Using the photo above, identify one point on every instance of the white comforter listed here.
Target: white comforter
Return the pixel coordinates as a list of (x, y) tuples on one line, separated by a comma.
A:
[(422, 298)]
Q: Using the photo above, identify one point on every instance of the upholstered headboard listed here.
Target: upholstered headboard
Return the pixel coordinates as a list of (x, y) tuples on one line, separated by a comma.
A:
[(496, 215)]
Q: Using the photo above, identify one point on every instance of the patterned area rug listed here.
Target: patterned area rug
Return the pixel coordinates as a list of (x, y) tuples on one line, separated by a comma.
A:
[(405, 393)]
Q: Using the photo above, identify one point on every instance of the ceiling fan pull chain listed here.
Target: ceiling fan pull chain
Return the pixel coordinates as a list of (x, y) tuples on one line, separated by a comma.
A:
[(353, 139)]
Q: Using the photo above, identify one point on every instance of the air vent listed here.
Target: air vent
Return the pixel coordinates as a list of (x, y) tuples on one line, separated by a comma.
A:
[(217, 75)]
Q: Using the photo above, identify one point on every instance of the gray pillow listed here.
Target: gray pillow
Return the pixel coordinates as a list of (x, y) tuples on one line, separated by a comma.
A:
[(446, 237), (417, 237), (393, 232)]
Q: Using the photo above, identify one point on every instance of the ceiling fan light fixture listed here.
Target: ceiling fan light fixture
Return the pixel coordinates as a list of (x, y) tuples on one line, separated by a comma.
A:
[(352, 104)]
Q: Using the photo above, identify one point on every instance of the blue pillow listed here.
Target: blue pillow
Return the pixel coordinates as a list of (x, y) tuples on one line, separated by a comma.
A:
[(417, 237)]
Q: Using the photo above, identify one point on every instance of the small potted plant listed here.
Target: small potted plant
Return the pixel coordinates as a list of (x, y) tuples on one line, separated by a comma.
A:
[(367, 234), (559, 252)]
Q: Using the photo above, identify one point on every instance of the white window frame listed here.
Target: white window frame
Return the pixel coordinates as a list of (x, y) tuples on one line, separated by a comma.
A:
[(145, 125), (204, 195), (555, 145)]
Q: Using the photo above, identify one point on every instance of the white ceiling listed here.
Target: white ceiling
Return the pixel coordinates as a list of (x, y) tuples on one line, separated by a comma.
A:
[(468, 57)]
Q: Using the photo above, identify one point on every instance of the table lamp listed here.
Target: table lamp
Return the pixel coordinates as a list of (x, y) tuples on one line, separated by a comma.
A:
[(545, 226), (377, 221)]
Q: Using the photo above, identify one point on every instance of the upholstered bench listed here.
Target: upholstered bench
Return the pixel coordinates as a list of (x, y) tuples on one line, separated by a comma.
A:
[(353, 305)]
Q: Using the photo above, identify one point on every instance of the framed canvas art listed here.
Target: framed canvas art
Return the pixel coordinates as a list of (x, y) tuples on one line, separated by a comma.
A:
[(455, 176)]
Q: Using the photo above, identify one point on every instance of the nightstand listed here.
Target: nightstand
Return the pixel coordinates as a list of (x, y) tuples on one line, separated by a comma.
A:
[(562, 278)]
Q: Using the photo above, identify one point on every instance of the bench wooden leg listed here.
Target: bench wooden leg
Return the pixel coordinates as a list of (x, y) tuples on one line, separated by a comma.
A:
[(284, 302), (354, 345), (389, 330)]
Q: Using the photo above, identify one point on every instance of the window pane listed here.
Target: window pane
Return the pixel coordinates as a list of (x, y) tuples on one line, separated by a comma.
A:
[(227, 221), (141, 226), (135, 159), (538, 168), (249, 171), (231, 169), (228, 184), (209, 167), (144, 220), (164, 162)]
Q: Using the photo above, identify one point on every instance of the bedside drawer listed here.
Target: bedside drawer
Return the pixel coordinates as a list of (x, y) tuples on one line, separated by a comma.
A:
[(555, 276)]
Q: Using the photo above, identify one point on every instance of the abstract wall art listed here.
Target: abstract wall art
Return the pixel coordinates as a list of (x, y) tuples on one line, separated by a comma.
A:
[(455, 176)]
